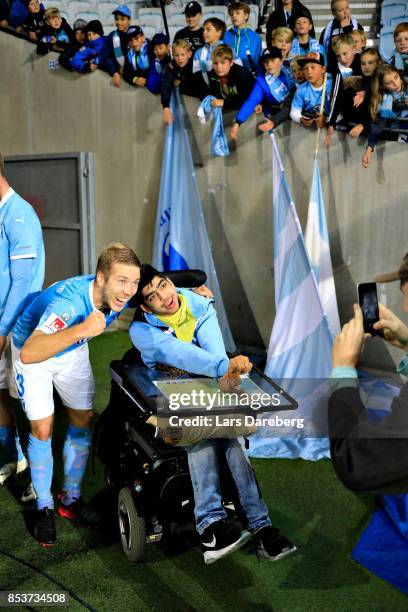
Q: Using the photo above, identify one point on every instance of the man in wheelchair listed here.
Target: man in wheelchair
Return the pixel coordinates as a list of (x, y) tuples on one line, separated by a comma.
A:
[(179, 328)]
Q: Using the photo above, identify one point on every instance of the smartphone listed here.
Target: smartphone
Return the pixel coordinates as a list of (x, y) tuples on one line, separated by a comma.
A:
[(368, 300)]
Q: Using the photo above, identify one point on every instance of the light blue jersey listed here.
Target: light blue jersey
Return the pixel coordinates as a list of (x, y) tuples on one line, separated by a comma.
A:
[(308, 98), (62, 305), (20, 238)]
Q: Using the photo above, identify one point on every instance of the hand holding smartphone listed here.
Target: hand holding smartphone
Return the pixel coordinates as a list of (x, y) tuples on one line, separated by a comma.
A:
[(368, 300)]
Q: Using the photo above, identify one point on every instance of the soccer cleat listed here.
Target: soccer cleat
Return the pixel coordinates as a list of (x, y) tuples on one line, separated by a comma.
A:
[(270, 544), (44, 528), (28, 494), (79, 511), (12, 469), (220, 539)]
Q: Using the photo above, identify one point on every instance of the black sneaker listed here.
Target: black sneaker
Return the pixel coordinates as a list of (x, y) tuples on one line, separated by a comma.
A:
[(44, 528), (270, 544), (79, 511), (220, 539)]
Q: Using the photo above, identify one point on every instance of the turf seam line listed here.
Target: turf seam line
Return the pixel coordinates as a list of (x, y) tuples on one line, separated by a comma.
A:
[(50, 578)]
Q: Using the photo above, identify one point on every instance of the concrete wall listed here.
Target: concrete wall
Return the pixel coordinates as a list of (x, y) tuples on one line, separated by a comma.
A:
[(43, 111)]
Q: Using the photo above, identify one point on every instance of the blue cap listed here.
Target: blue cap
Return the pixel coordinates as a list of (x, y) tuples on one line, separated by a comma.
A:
[(122, 9)]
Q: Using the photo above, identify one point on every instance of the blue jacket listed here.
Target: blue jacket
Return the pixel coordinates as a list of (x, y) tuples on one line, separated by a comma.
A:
[(18, 13), (261, 94), (155, 78), (93, 52), (206, 354), (242, 40)]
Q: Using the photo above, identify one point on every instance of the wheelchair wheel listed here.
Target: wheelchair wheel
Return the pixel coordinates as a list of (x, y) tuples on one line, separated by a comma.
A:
[(132, 527)]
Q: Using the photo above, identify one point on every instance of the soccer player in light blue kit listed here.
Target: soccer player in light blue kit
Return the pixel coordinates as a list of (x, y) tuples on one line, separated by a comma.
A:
[(21, 277), (52, 334)]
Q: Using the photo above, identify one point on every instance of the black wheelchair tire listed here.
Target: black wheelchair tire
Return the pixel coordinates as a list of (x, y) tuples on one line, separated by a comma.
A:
[(132, 527)]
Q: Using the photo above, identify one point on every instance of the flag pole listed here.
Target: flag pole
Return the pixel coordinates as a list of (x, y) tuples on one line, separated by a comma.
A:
[(163, 10), (321, 112)]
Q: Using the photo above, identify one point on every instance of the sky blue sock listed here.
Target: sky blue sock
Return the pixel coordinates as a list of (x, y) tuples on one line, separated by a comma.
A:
[(76, 451), (41, 466), (10, 442)]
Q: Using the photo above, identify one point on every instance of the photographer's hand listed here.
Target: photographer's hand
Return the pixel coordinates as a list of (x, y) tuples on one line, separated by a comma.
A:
[(348, 344), (395, 331)]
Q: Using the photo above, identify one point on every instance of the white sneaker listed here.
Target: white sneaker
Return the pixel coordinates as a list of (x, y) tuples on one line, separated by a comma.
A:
[(12, 469), (28, 494)]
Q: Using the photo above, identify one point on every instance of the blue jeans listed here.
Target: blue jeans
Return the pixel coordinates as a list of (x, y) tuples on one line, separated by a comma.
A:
[(204, 470)]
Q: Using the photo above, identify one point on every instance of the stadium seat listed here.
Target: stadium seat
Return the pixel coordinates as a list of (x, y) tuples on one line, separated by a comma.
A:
[(149, 30), (392, 11), (87, 16), (386, 42), (77, 7), (215, 11), (176, 20), (105, 10), (172, 32), (155, 21)]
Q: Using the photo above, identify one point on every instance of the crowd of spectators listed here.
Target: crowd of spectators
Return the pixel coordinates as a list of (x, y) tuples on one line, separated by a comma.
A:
[(336, 81)]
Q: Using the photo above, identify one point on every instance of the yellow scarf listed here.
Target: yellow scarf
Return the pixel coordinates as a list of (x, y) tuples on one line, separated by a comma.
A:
[(182, 321)]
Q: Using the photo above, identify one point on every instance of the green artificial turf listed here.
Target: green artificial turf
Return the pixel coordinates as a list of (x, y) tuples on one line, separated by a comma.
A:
[(305, 499)]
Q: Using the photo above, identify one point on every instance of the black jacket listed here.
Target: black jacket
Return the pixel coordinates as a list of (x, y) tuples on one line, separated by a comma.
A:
[(331, 56), (235, 90), (195, 38), (4, 10), (47, 32), (191, 84), (34, 23), (366, 456), (277, 19), (130, 73)]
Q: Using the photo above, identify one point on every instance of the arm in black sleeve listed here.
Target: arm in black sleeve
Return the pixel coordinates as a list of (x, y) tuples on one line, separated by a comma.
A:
[(167, 85), (244, 82), (284, 112), (129, 72), (377, 127), (366, 456)]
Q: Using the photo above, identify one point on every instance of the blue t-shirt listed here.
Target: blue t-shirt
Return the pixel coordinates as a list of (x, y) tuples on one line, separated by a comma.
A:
[(20, 238), (62, 305), (308, 98)]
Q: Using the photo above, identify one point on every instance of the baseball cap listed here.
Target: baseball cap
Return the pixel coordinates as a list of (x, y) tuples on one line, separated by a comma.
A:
[(192, 8), (312, 56), (122, 9), (400, 274), (160, 39), (271, 54), (135, 32), (302, 13)]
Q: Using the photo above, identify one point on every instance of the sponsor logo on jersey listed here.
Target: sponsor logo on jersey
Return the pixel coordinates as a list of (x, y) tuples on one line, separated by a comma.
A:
[(53, 324)]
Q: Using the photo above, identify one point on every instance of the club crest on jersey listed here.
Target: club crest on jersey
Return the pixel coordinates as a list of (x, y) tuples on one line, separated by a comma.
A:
[(54, 323)]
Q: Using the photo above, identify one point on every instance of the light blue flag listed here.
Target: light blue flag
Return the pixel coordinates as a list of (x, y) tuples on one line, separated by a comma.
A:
[(299, 354), (219, 142), (318, 248), (181, 240)]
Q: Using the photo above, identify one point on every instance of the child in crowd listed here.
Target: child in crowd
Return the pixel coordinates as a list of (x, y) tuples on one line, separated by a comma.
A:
[(389, 100), (246, 43), (342, 23), (93, 54), (360, 40), (193, 33), (118, 41), (80, 39), (179, 73), (308, 97), (354, 98), (348, 62), (161, 52), (4, 13), (35, 20), (56, 34), (230, 83), (139, 58), (282, 38), (214, 31), (296, 71), (303, 42), (273, 90), (399, 57), (284, 16)]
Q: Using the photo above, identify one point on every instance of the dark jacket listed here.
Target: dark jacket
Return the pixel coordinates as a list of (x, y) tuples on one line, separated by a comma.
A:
[(65, 38), (195, 39), (367, 456), (277, 19), (34, 23), (5, 10), (124, 44), (235, 89), (93, 52), (330, 54), (191, 84), (130, 72)]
